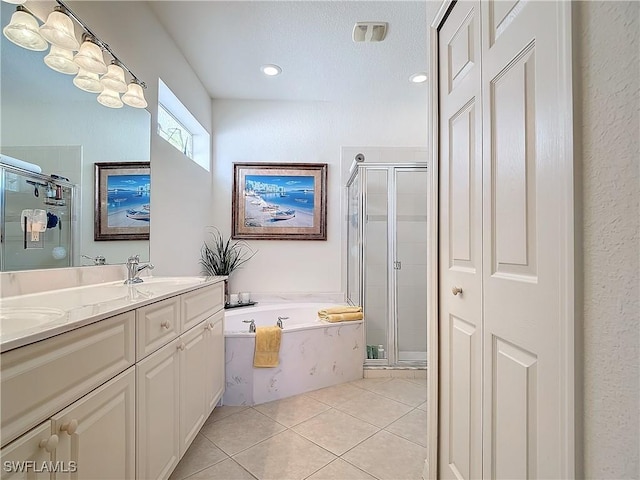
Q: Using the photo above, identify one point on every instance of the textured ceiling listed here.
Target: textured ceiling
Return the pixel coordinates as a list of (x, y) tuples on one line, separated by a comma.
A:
[(226, 42)]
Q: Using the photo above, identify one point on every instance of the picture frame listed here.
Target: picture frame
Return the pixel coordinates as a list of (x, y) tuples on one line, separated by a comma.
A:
[(279, 201), (122, 201)]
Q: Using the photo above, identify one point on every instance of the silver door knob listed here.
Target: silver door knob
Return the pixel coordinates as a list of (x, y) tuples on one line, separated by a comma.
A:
[(456, 290)]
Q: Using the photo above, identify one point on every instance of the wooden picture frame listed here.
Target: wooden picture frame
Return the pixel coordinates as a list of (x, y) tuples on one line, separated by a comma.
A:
[(279, 201), (121, 206)]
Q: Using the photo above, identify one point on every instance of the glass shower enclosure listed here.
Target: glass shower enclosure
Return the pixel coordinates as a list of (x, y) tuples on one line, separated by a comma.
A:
[(36, 220), (387, 260)]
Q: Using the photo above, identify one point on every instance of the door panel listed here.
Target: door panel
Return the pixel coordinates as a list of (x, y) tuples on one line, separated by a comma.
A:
[(515, 380), (513, 192), (524, 191), (460, 247)]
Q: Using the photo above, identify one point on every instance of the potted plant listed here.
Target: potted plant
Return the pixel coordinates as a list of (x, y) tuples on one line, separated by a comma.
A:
[(221, 257)]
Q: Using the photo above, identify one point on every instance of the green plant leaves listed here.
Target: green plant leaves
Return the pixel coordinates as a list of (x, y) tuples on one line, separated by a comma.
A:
[(220, 257)]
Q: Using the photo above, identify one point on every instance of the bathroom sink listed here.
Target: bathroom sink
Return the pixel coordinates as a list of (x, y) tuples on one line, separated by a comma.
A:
[(15, 319)]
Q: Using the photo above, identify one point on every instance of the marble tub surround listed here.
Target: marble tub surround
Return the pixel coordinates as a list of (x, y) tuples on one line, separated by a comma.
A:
[(322, 297), (313, 355), (32, 317)]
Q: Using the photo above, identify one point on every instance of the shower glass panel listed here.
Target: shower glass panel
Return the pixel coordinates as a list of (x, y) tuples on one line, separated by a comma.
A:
[(376, 261), (353, 243), (411, 264)]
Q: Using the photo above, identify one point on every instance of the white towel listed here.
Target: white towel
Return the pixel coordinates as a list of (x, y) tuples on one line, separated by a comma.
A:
[(32, 167)]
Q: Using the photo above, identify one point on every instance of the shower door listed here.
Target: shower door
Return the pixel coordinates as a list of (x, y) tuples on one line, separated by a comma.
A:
[(387, 272), (410, 265)]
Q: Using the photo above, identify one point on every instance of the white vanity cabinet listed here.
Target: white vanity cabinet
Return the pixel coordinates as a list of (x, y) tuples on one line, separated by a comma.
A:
[(97, 433), (180, 384), (122, 398)]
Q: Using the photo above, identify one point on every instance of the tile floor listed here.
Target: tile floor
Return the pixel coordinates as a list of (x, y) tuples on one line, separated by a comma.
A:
[(373, 428)]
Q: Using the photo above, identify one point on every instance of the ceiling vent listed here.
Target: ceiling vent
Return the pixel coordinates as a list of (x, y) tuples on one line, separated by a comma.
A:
[(369, 31)]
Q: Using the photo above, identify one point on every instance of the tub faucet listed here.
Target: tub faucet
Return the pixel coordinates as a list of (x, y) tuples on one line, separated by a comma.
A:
[(134, 268), (252, 325), (279, 322)]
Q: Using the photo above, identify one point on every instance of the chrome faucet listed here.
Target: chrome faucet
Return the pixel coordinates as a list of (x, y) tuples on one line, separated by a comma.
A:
[(252, 325), (97, 260), (279, 322), (134, 268)]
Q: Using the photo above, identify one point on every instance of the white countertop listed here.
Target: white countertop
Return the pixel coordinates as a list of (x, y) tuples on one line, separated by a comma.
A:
[(25, 319)]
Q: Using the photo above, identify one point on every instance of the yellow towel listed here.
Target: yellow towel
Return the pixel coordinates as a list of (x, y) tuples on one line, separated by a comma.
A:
[(343, 317), (267, 347), (341, 309)]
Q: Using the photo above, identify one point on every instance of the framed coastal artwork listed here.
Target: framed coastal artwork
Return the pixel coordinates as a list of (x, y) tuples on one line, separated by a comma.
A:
[(279, 201), (122, 201)]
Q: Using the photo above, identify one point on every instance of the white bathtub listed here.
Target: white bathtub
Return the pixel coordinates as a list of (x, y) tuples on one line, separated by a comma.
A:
[(313, 354)]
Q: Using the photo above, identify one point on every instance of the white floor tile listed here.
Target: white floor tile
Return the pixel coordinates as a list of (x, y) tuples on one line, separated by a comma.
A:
[(286, 456), (241, 430), (335, 431), (388, 457)]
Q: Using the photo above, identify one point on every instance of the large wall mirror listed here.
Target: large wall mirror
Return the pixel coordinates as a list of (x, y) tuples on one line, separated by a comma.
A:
[(47, 121)]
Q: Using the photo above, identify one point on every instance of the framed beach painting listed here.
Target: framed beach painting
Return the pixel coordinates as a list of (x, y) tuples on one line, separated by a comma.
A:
[(122, 201), (279, 201)]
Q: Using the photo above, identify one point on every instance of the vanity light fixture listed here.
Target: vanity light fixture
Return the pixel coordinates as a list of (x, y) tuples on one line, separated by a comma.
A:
[(271, 70), (61, 60), (110, 98), (88, 63), (419, 77), (23, 30), (90, 56), (114, 78), (58, 29), (88, 81), (134, 97)]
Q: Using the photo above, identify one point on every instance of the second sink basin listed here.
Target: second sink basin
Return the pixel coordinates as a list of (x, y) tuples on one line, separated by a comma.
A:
[(13, 319)]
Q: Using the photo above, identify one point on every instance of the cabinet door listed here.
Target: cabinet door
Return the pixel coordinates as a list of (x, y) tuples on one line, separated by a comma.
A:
[(214, 367), (97, 433), (158, 412), (193, 359), (28, 457)]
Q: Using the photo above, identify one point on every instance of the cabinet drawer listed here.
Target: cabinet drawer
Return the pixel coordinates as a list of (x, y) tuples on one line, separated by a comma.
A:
[(156, 325), (201, 304), (46, 376)]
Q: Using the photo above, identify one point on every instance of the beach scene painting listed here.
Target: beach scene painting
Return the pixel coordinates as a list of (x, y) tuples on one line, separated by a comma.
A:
[(279, 201), (123, 201), (128, 200)]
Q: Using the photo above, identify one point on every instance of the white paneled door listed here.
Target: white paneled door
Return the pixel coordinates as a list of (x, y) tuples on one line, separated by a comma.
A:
[(460, 166), (506, 242)]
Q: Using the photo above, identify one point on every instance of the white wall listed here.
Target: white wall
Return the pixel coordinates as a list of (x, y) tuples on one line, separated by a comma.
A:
[(608, 103), (180, 189), (262, 131)]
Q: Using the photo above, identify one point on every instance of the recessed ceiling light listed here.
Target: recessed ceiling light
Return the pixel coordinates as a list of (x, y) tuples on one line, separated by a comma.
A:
[(271, 70), (420, 77)]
